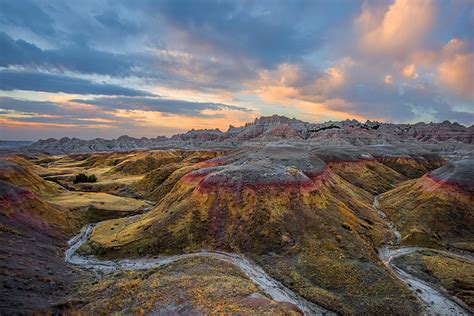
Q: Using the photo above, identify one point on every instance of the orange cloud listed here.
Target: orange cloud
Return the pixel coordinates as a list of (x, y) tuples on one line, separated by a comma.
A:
[(95, 119), (14, 123), (398, 30), (312, 111), (12, 114), (310, 97), (212, 119), (457, 73), (9, 123), (277, 86), (290, 82), (409, 71)]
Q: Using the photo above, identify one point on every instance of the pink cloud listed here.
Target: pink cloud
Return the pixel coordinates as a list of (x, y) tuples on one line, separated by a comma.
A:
[(457, 73), (409, 71), (397, 30)]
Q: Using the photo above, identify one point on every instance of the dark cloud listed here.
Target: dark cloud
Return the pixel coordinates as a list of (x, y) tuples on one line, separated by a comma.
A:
[(112, 20), (26, 14), (48, 111), (20, 105), (398, 103), (19, 52), (225, 40), (266, 32), (158, 104), (46, 82), (196, 72), (76, 58)]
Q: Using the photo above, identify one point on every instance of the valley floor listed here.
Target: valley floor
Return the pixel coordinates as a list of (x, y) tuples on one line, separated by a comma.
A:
[(52, 259)]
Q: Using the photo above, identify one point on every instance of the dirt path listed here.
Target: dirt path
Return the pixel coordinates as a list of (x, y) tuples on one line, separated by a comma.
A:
[(268, 285), (435, 302)]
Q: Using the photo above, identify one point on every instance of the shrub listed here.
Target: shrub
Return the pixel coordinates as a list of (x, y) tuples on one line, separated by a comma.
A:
[(84, 178)]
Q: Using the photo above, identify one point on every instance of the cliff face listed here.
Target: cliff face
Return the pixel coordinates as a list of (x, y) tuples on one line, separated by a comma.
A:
[(270, 128)]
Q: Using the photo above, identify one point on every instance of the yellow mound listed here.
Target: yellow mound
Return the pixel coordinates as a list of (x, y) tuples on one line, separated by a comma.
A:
[(429, 213), (75, 200), (203, 285), (22, 176), (320, 239)]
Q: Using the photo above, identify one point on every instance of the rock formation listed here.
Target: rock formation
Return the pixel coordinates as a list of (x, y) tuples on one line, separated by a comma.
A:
[(270, 128)]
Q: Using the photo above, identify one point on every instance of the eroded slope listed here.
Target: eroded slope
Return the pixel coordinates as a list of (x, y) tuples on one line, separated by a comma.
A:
[(435, 210)]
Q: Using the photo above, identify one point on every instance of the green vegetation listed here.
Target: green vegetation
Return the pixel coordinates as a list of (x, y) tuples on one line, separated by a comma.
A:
[(80, 178)]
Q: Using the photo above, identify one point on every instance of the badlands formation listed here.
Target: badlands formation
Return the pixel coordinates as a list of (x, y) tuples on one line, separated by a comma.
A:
[(275, 217)]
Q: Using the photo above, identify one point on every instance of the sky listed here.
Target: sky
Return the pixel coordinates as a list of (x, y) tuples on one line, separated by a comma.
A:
[(95, 68)]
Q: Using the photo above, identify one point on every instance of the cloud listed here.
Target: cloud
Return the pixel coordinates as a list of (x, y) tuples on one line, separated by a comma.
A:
[(457, 74), (47, 82), (158, 66), (263, 33), (26, 14), (180, 107), (22, 105), (112, 20), (398, 29), (51, 108), (357, 88), (224, 28), (389, 60), (52, 112), (409, 71), (76, 58), (388, 79), (407, 103), (105, 107), (455, 69), (302, 81), (42, 119)]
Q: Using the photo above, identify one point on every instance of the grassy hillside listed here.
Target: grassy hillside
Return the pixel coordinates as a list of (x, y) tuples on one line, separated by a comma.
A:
[(433, 212)]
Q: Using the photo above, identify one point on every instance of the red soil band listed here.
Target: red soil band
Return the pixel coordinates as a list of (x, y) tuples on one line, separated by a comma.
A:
[(16, 196), (214, 162), (19, 201), (452, 185)]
